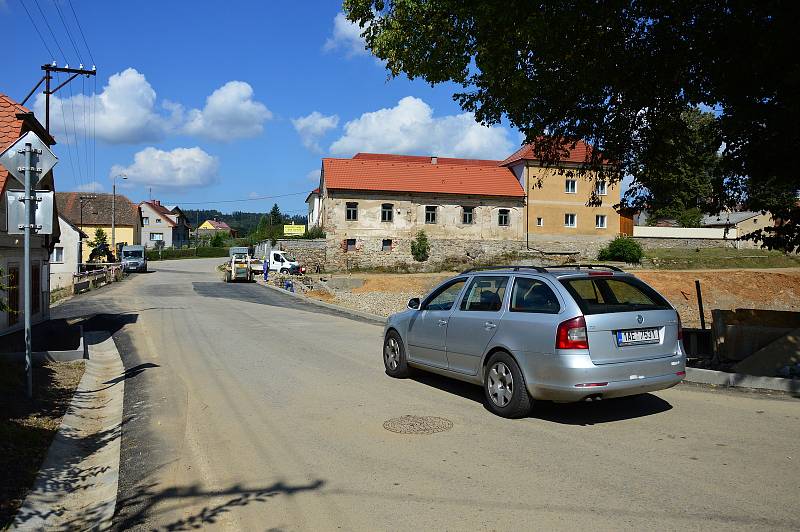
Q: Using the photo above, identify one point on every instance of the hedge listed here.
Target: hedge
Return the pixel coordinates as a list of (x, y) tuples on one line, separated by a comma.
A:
[(187, 253)]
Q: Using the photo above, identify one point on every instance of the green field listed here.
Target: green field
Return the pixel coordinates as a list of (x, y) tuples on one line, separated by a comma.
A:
[(712, 258)]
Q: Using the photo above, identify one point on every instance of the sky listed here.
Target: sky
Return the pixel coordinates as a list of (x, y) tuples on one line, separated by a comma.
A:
[(204, 103)]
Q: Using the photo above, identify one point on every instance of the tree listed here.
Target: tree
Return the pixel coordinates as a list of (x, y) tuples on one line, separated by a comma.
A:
[(617, 75), (217, 241), (681, 173), (100, 238), (420, 247), (275, 216)]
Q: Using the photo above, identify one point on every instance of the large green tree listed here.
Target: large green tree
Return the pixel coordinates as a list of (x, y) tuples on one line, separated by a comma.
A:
[(617, 74)]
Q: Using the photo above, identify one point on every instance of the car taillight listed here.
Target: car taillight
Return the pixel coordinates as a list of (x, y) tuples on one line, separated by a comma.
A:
[(571, 334)]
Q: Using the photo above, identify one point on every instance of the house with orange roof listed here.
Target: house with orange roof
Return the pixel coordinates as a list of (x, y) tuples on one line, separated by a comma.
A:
[(15, 121), (160, 223), (373, 205), (559, 196)]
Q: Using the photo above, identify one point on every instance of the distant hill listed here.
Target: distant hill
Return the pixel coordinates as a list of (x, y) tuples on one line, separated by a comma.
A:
[(243, 222)]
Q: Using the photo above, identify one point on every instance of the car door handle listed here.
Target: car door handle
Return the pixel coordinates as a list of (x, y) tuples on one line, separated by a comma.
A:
[(442, 323), (489, 325)]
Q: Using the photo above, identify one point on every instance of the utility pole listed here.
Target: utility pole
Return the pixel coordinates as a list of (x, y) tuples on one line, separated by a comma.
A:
[(48, 77), (114, 213)]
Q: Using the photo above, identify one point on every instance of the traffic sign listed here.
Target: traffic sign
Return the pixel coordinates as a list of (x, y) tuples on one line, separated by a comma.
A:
[(42, 159), (43, 212)]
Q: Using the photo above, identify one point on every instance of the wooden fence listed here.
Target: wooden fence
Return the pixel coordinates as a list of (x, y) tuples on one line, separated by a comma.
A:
[(96, 278)]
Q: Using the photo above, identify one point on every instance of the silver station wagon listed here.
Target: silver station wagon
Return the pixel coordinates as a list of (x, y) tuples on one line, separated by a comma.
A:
[(570, 333)]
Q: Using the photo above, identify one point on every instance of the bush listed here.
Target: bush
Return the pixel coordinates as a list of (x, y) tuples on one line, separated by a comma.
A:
[(420, 247), (622, 249), (186, 253), (217, 241)]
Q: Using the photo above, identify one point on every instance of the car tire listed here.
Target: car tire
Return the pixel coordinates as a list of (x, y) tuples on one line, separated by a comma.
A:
[(504, 387), (394, 356), (284, 271)]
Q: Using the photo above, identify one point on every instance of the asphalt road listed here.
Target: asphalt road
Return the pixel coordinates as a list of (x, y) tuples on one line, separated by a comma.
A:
[(246, 409)]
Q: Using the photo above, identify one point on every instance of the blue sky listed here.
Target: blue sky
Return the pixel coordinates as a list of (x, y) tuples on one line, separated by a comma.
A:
[(208, 101)]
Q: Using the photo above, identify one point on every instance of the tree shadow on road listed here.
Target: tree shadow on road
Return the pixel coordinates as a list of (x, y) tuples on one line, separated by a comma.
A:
[(143, 506), (582, 413)]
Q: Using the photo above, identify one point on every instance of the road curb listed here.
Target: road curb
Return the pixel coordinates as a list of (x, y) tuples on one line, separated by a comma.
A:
[(740, 380), (356, 313), (76, 488)]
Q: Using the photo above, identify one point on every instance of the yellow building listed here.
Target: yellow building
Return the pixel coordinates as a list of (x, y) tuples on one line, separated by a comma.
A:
[(90, 212), (558, 199)]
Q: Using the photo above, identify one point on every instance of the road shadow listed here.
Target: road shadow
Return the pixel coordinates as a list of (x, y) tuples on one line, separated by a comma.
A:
[(581, 413), (141, 507)]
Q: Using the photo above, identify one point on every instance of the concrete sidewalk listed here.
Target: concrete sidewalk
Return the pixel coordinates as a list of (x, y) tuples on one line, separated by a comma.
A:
[(76, 488)]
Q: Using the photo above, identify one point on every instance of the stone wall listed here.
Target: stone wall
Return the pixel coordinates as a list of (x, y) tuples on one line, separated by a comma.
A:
[(692, 243), (309, 252)]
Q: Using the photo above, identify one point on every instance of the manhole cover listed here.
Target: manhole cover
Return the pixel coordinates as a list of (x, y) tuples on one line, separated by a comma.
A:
[(418, 424)]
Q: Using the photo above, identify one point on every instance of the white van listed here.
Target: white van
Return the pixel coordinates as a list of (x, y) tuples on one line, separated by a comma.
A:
[(279, 261)]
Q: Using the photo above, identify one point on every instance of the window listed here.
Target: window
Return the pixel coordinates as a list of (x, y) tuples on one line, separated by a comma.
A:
[(444, 297), (145, 220), (158, 220), (468, 215), (540, 221), (277, 257), (485, 293), (570, 186), (430, 214), (387, 244), (57, 257), (570, 220), (387, 212), (503, 217), (351, 212), (532, 295), (600, 221), (36, 289), (601, 296), (156, 237), (600, 188), (350, 244)]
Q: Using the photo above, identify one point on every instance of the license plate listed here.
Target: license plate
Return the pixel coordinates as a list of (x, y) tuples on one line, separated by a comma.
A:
[(637, 336)]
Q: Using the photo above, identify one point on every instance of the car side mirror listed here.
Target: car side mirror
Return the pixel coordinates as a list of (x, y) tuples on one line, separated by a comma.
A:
[(414, 303)]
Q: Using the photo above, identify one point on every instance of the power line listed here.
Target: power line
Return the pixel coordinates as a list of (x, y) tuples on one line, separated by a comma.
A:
[(69, 34), (80, 29), (39, 33), (255, 198), (53, 35)]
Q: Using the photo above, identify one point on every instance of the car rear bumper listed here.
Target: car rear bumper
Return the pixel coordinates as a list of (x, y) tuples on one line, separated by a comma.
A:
[(575, 378)]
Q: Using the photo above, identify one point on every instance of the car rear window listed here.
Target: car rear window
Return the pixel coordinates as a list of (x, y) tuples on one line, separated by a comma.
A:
[(618, 294)]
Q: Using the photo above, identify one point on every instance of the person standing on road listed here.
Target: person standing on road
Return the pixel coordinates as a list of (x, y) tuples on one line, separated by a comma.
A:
[(266, 268)]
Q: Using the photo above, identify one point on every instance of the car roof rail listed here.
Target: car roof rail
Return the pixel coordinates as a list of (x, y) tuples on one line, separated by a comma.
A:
[(591, 267), (515, 268)]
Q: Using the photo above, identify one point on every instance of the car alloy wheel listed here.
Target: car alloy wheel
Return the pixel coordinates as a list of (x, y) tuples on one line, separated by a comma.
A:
[(391, 354), (500, 383)]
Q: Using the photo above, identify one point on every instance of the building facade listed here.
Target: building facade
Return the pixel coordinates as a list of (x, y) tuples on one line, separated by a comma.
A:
[(66, 255), (15, 121), (372, 207), (558, 199), (167, 225), (211, 227), (89, 212)]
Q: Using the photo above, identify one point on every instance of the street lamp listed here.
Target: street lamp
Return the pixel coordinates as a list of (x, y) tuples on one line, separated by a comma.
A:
[(114, 213)]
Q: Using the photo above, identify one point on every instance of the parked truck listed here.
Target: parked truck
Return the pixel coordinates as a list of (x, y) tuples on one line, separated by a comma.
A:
[(279, 261)]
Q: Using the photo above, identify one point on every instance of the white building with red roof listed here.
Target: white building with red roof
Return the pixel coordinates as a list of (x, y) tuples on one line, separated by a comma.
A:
[(15, 121), (167, 225)]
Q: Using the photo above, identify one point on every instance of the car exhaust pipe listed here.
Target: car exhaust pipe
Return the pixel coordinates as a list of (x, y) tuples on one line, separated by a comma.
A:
[(593, 397)]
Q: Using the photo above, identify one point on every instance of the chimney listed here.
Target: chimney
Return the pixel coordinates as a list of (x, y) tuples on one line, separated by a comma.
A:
[(434, 160), (157, 202)]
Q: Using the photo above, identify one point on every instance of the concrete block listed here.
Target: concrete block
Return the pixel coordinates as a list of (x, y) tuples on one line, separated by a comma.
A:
[(768, 361)]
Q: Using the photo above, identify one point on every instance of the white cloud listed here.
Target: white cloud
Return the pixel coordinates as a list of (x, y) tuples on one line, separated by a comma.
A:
[(127, 112), (179, 168), (313, 175), (254, 195), (230, 113), (312, 127), (92, 186), (346, 36), (411, 128)]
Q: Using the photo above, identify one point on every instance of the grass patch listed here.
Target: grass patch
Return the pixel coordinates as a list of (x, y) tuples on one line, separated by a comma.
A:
[(27, 426), (718, 258)]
